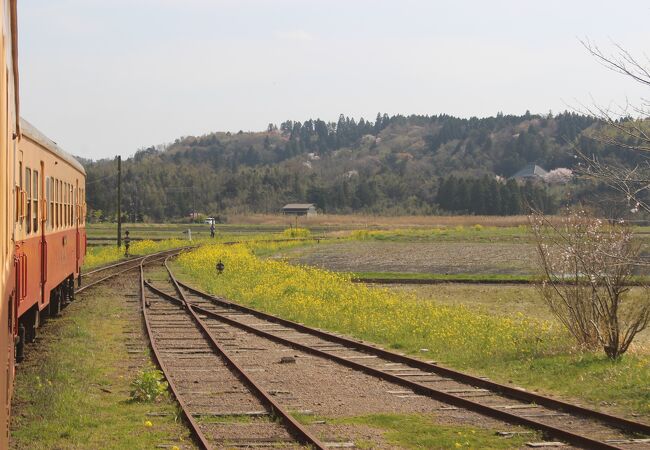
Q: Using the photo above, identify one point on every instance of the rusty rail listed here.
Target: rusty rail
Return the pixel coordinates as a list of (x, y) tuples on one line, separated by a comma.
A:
[(196, 431), (503, 390), (301, 434), (619, 422), (137, 260)]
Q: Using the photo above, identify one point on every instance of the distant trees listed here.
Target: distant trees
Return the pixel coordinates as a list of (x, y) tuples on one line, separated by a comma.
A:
[(488, 196), (389, 165)]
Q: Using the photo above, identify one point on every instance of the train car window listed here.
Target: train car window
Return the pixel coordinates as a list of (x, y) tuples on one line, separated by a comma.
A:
[(69, 210), (52, 214), (57, 191), (28, 189), (59, 222), (51, 218), (76, 205), (65, 204), (35, 197), (48, 199), (19, 188), (54, 223)]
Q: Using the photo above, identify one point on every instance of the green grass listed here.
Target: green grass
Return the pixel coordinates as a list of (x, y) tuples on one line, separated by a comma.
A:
[(73, 389), (572, 373), (621, 386), (474, 278), (179, 231), (418, 431), (99, 256), (465, 277), (460, 233)]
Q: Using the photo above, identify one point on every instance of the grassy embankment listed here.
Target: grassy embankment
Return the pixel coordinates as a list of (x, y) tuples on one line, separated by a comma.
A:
[(73, 389), (535, 353), (154, 238), (98, 256)]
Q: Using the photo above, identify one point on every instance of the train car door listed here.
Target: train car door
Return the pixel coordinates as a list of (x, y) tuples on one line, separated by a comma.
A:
[(42, 207), (20, 258), (76, 222)]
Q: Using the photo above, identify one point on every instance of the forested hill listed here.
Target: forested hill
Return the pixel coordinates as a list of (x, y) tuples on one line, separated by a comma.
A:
[(392, 165)]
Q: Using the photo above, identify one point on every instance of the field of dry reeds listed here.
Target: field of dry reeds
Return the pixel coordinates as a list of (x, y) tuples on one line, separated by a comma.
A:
[(353, 221)]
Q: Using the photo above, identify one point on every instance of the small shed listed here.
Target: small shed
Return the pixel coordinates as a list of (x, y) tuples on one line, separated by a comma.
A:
[(530, 172), (299, 209)]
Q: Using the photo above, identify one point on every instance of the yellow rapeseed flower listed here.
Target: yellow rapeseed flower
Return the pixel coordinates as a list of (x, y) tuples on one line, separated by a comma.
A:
[(329, 300)]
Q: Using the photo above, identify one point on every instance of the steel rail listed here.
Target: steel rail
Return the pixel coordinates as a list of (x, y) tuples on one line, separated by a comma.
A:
[(112, 265), (196, 430), (294, 427), (569, 436), (572, 438), (139, 259), (134, 259), (508, 391)]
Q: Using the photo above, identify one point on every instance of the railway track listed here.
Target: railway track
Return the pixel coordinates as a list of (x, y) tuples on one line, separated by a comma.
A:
[(110, 271), (223, 406), (570, 423), (106, 272)]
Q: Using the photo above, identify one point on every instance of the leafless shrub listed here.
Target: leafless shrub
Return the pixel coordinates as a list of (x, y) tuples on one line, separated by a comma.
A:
[(625, 126), (587, 265)]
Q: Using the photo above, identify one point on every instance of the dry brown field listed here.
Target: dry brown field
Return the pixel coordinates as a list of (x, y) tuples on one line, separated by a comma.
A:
[(384, 222), (418, 257)]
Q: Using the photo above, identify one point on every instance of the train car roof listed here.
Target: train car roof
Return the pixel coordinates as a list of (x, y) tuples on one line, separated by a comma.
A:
[(31, 132)]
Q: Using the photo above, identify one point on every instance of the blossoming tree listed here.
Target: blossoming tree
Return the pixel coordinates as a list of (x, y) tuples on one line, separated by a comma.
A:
[(587, 266)]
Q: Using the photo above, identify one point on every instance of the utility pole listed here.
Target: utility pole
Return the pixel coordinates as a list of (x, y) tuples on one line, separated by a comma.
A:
[(193, 204), (119, 201)]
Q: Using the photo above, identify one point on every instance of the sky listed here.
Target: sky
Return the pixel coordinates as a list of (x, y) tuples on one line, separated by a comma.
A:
[(107, 77)]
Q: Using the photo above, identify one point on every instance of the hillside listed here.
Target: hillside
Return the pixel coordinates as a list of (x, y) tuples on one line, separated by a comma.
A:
[(393, 165)]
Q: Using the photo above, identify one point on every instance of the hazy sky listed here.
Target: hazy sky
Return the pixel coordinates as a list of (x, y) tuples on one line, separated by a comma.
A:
[(106, 77)]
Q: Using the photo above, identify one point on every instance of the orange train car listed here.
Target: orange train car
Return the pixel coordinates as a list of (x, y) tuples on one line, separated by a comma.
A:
[(49, 230), (9, 135), (42, 226)]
